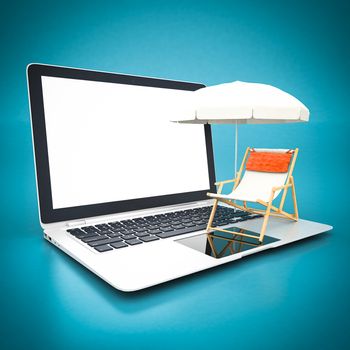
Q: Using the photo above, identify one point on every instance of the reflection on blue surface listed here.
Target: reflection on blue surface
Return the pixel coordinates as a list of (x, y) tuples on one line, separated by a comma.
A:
[(300, 291)]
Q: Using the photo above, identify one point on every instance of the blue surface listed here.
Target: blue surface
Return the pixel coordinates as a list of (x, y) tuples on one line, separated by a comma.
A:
[(293, 297)]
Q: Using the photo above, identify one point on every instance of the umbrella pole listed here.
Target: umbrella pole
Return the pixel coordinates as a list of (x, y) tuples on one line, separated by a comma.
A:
[(236, 152), (236, 148)]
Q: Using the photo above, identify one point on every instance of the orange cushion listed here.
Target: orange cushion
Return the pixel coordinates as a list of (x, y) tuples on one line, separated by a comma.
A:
[(269, 162)]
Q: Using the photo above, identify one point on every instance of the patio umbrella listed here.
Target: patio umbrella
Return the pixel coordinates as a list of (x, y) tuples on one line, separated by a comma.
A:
[(243, 103)]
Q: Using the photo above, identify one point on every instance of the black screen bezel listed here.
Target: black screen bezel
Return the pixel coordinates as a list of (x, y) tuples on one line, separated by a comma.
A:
[(50, 215)]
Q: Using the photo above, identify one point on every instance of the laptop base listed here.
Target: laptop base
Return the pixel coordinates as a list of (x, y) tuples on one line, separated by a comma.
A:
[(143, 266)]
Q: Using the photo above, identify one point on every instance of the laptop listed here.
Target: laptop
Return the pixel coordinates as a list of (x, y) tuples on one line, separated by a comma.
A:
[(121, 189)]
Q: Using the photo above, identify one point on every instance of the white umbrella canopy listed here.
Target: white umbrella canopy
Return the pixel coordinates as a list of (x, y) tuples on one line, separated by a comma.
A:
[(243, 103)]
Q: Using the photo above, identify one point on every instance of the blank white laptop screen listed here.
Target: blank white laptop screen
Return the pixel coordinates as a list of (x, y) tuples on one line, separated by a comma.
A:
[(110, 142)]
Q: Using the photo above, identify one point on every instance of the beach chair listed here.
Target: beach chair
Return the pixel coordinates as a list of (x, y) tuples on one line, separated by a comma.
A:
[(263, 175)]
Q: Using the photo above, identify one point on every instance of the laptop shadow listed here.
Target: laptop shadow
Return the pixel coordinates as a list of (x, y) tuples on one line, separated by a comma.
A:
[(146, 299)]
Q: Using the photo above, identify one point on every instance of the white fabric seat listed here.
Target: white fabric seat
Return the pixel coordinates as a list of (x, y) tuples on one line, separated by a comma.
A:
[(255, 185)]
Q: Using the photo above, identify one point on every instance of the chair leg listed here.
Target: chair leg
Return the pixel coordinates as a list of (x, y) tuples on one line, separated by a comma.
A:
[(212, 214), (266, 216), (264, 225), (296, 213), (212, 246)]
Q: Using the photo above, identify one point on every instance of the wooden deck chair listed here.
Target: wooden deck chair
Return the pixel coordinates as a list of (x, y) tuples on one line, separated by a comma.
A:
[(264, 173)]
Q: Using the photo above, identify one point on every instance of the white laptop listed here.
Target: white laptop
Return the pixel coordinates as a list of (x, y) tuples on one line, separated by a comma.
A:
[(121, 189)]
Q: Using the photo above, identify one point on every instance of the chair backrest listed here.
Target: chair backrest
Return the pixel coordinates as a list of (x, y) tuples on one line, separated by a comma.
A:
[(269, 162), (265, 168)]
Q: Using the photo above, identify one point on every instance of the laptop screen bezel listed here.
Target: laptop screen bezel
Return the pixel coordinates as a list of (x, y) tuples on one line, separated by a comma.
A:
[(50, 215)]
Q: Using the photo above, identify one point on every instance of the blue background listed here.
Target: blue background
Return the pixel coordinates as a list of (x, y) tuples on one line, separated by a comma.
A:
[(294, 297)]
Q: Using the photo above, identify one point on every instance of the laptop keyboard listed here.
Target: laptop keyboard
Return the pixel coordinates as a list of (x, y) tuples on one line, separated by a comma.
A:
[(126, 233)]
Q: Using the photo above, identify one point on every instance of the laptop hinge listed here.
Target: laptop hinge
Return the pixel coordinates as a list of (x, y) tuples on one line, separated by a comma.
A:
[(76, 223)]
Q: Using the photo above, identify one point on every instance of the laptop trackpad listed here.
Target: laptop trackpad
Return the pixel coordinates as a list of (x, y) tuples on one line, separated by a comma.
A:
[(219, 244)]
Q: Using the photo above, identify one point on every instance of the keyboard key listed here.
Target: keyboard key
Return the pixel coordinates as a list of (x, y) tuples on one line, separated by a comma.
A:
[(167, 229), (91, 238), (76, 232), (121, 231), (138, 220), (127, 223), (177, 226), (128, 237), (181, 231), (186, 220), (153, 222), (133, 241), (149, 238), (86, 234), (199, 222), (113, 234), (103, 248), (104, 241), (117, 239), (189, 224), (128, 232), (154, 232), (90, 229), (105, 232), (102, 226), (140, 229), (119, 245), (116, 225), (141, 234)]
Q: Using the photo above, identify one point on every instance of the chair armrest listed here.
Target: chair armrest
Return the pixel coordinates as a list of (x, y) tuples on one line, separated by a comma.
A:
[(220, 184), (281, 187), (225, 182)]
